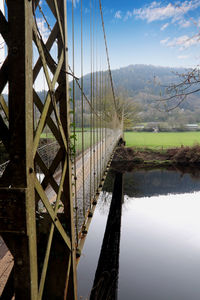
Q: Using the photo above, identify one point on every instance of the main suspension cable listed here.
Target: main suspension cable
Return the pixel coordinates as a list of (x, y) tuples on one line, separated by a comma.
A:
[(108, 60)]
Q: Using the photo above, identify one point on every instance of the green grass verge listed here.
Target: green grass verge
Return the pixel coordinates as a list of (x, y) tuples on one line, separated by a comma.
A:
[(163, 140)]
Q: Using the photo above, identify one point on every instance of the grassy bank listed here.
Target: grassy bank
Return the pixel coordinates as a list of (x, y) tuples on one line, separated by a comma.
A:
[(158, 140)]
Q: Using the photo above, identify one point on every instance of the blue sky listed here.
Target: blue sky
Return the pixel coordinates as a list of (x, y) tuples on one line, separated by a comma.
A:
[(162, 33), (153, 32)]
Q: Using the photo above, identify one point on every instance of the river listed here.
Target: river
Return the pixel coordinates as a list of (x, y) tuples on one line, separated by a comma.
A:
[(151, 245)]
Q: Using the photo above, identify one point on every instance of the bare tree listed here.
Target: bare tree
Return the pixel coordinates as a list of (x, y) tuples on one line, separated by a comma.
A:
[(175, 93), (187, 83)]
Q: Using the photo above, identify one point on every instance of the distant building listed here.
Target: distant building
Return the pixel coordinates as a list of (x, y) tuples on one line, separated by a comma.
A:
[(138, 127), (192, 127)]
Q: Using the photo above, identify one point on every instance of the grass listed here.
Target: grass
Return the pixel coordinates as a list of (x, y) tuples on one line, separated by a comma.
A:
[(78, 139), (163, 140)]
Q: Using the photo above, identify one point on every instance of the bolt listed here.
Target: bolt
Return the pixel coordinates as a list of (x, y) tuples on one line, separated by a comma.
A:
[(14, 50), (19, 262), (30, 170)]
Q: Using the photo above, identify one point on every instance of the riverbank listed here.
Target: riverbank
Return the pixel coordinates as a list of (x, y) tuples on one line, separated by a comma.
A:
[(150, 158)]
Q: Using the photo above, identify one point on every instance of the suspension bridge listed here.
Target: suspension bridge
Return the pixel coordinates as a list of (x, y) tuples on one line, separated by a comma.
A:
[(58, 131)]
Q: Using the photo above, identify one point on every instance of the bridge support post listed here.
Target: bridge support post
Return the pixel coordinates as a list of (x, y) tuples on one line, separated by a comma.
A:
[(17, 195), (19, 187)]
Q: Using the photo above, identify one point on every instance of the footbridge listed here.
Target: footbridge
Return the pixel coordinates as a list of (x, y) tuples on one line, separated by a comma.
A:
[(58, 130)]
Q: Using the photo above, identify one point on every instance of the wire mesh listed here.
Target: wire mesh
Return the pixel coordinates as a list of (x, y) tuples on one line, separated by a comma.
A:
[(95, 125)]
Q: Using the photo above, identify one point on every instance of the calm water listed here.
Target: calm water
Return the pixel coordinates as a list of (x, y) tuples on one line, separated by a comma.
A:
[(158, 254)]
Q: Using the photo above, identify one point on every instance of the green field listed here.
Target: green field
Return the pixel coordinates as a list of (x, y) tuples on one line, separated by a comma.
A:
[(78, 139), (161, 139)]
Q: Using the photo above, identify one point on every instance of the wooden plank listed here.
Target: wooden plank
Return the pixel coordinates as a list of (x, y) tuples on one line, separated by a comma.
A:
[(7, 276)]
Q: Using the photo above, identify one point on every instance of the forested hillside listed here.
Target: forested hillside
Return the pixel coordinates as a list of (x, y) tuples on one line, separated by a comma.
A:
[(143, 84)]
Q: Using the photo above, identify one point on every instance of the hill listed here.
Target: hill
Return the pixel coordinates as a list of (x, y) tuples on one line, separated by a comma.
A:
[(143, 84)]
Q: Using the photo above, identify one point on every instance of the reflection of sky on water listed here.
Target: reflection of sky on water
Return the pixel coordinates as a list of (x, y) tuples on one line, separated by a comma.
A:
[(160, 248), (160, 243)]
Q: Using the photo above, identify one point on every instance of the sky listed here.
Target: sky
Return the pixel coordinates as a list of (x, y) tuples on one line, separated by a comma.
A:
[(161, 33), (164, 33)]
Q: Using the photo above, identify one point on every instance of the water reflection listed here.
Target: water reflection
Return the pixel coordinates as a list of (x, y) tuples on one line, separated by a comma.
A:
[(160, 241), (106, 277), (159, 182), (160, 248)]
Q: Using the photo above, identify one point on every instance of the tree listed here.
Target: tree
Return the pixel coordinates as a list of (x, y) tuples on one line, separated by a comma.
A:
[(188, 83), (127, 109)]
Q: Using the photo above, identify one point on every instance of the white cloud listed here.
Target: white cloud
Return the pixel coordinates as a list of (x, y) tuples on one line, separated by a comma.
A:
[(118, 14), (164, 26), (184, 42), (2, 50), (184, 23), (42, 26), (197, 23), (156, 11), (164, 42), (128, 15), (183, 56)]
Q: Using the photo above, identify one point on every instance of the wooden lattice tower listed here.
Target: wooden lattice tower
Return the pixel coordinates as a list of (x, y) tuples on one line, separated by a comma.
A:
[(20, 189)]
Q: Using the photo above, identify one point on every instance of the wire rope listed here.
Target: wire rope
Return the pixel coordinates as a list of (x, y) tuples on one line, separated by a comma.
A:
[(82, 106), (108, 59), (74, 124), (93, 97), (96, 104), (91, 117)]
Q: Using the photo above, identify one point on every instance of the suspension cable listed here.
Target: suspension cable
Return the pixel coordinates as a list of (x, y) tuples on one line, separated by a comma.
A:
[(91, 116), (55, 63), (74, 124), (108, 60), (93, 96), (82, 121)]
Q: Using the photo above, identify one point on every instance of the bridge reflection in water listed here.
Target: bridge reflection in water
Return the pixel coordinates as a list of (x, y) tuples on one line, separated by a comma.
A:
[(106, 277)]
